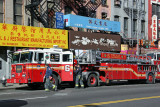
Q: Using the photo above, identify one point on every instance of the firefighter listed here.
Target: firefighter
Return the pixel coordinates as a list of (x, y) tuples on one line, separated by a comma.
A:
[(48, 77), (79, 78)]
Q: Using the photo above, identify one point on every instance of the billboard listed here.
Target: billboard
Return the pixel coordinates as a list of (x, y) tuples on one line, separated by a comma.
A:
[(27, 36), (91, 23), (95, 41)]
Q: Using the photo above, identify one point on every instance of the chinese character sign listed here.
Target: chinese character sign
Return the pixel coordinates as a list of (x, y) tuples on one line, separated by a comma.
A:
[(27, 36), (154, 28), (91, 23), (155, 1)]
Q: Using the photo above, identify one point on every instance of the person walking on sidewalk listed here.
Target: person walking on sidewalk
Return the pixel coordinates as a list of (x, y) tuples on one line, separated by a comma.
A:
[(48, 76), (79, 78)]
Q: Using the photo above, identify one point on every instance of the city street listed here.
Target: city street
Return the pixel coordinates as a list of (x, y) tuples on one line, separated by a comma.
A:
[(119, 95)]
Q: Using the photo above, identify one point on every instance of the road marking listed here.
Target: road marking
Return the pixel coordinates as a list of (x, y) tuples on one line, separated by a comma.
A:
[(117, 101), (33, 98)]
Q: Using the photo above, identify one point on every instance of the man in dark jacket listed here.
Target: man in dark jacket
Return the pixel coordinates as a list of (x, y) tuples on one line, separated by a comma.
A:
[(79, 78), (48, 76)]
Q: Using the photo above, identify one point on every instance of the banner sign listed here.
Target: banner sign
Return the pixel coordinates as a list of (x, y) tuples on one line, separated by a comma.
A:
[(154, 28), (113, 56), (95, 41), (91, 23), (27, 36)]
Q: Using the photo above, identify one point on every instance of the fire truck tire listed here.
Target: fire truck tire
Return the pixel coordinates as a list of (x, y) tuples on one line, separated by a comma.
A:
[(92, 80), (54, 80), (150, 79)]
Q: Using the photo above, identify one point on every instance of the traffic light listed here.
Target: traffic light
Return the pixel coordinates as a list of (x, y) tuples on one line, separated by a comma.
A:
[(140, 42)]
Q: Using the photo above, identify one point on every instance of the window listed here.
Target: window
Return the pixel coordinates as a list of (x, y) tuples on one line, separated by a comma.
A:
[(116, 18), (18, 12), (158, 11), (80, 29), (154, 7), (126, 3), (92, 14), (134, 25), (68, 10), (143, 5), (54, 57), (158, 56), (26, 57), (126, 26), (143, 29), (104, 15), (151, 55), (40, 56), (15, 58), (34, 22), (67, 58), (117, 3), (0, 65), (1, 11), (104, 2), (135, 4), (93, 1)]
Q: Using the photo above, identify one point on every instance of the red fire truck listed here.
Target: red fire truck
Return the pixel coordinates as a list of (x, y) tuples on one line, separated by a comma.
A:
[(28, 66)]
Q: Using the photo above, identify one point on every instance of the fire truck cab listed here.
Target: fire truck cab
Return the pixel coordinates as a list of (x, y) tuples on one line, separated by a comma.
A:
[(28, 66)]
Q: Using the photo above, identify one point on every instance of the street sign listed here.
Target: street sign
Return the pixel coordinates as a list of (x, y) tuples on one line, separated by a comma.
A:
[(59, 20)]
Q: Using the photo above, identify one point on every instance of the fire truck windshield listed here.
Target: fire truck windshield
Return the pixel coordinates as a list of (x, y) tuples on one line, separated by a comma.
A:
[(26, 57), (15, 58)]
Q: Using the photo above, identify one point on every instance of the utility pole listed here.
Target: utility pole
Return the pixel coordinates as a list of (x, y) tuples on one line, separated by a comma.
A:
[(138, 2)]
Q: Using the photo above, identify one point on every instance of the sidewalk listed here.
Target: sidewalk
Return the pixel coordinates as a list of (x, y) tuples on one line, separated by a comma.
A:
[(11, 86)]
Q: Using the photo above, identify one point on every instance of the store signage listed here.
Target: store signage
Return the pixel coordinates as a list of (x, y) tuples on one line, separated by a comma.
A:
[(158, 44), (158, 23), (155, 1), (154, 28), (91, 23), (95, 41), (27, 36), (59, 20), (124, 47)]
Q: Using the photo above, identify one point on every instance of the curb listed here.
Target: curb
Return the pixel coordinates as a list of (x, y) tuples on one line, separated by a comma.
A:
[(12, 87)]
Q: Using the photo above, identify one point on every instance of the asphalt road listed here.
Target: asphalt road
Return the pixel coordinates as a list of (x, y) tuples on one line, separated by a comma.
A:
[(119, 95)]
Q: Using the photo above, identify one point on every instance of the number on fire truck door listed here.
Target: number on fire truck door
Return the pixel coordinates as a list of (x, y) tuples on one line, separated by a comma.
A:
[(67, 67)]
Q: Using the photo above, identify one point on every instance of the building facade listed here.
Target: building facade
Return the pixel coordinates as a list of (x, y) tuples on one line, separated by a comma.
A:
[(130, 13)]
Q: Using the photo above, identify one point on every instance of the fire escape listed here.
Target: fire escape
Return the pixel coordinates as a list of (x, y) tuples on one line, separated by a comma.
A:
[(83, 7), (44, 10)]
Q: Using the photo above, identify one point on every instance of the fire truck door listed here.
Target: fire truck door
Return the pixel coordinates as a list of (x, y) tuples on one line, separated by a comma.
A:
[(67, 65), (38, 68)]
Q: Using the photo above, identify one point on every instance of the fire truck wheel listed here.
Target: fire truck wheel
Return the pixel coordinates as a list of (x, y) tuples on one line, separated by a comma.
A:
[(150, 79), (92, 80), (54, 80)]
